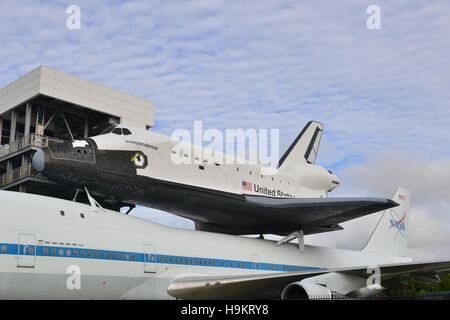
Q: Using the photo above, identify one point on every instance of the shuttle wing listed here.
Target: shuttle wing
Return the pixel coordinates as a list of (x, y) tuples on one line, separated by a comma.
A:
[(285, 215), (266, 286)]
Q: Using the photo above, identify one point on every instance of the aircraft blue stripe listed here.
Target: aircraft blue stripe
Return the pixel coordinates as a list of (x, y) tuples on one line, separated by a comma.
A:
[(82, 253)]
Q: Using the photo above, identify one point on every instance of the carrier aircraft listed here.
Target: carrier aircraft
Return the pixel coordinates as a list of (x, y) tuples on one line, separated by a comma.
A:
[(227, 196), (58, 249)]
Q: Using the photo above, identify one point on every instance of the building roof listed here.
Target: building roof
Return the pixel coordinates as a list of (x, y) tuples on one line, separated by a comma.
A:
[(46, 81)]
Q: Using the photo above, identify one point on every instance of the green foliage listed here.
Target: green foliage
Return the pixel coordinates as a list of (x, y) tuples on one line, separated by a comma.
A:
[(411, 287)]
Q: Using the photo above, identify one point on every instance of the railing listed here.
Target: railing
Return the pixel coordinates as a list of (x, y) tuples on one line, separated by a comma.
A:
[(17, 174), (27, 141)]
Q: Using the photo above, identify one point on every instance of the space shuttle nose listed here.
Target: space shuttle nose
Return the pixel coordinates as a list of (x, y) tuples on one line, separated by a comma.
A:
[(39, 160)]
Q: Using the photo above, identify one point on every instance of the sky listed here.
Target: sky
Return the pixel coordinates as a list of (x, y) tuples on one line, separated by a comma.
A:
[(383, 95)]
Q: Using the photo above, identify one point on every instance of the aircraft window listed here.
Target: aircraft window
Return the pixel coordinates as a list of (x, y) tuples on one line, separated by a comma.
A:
[(250, 172), (4, 249), (126, 131), (102, 255), (75, 253), (115, 255), (30, 250), (109, 129), (53, 251), (89, 254), (237, 169), (61, 252), (133, 257), (68, 252), (83, 253), (121, 256), (201, 167), (62, 213), (127, 257), (109, 255), (217, 164), (117, 131), (82, 215), (96, 254)]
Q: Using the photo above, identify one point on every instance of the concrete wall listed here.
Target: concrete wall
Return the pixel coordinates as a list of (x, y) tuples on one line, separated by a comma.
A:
[(131, 110)]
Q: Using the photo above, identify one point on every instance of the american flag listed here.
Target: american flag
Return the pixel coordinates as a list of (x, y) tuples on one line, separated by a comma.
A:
[(401, 197), (247, 186)]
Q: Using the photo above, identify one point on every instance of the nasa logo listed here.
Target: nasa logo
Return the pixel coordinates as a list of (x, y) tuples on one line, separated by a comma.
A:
[(398, 223), (140, 160)]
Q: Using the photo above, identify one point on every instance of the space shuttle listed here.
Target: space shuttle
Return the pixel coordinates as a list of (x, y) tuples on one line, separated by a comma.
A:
[(142, 167)]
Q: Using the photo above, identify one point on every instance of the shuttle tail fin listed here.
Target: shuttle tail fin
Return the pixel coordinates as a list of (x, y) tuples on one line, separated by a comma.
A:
[(305, 147), (390, 236)]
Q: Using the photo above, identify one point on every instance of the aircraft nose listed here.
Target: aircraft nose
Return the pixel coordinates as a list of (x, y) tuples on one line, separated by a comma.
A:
[(39, 160)]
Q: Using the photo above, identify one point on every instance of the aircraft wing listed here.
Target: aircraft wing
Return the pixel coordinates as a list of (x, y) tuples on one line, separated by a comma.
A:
[(267, 286), (284, 215)]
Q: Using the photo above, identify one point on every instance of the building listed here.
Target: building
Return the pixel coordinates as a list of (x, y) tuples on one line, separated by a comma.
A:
[(47, 106)]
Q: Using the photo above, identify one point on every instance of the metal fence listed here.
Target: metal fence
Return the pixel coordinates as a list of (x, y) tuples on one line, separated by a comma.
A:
[(17, 174), (28, 141), (443, 295)]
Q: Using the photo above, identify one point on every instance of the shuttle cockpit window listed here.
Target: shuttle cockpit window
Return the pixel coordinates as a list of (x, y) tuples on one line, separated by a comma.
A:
[(126, 132), (117, 131)]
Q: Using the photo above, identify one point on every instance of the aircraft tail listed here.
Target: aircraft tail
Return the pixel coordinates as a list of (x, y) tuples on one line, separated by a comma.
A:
[(390, 236), (305, 147)]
